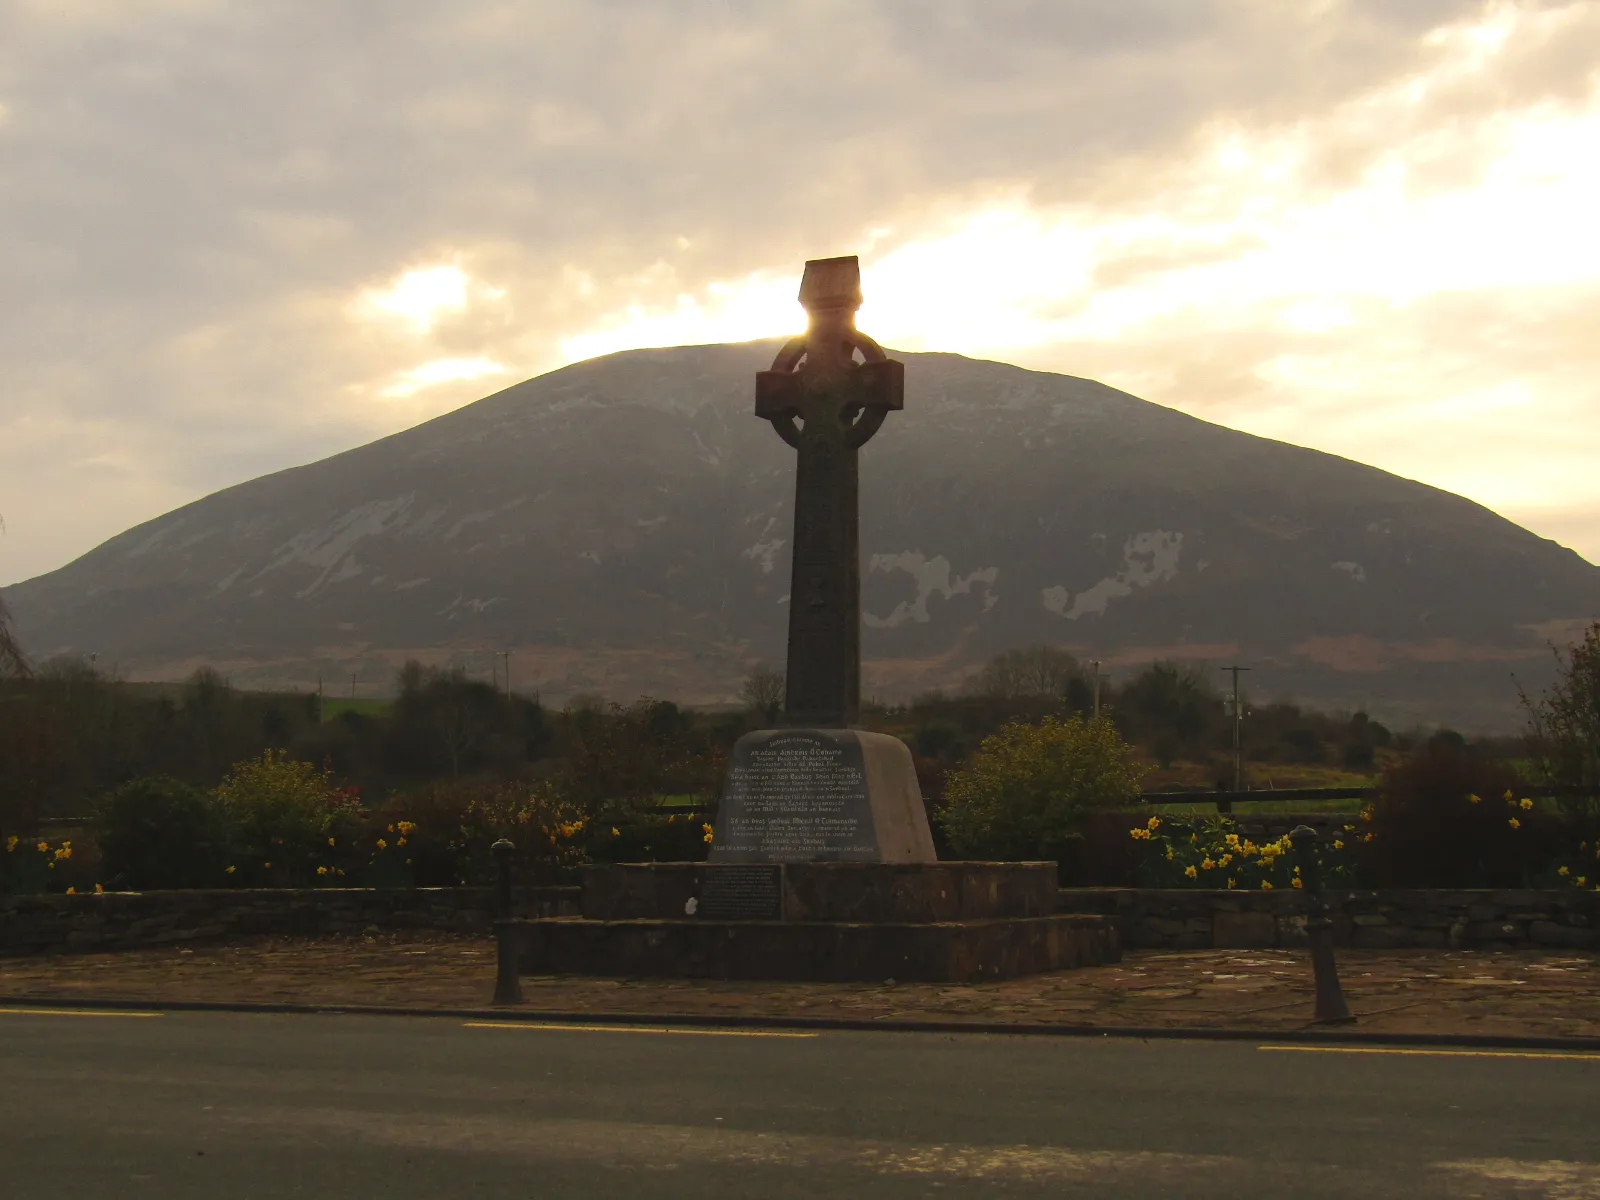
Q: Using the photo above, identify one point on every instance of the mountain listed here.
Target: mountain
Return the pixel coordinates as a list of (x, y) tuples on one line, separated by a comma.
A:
[(622, 526)]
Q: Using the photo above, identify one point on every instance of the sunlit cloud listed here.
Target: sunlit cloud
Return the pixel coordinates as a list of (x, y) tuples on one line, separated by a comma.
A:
[(442, 370), (1333, 283), (418, 297)]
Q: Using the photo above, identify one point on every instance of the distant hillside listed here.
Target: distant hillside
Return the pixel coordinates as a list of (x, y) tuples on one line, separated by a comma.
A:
[(622, 525)]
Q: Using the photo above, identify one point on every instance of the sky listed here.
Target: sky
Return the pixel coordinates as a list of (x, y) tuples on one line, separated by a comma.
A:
[(235, 237)]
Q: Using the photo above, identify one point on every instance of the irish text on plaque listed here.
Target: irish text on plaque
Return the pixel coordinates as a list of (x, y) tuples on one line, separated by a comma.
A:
[(741, 892), (796, 796)]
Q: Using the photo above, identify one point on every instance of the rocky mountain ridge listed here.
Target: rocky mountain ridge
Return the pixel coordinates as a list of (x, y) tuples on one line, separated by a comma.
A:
[(621, 526)]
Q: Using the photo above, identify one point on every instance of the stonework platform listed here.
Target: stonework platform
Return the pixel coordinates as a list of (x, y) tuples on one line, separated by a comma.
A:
[(907, 893), (832, 951)]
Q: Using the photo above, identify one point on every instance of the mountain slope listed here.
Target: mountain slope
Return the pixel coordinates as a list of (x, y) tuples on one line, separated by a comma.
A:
[(622, 526)]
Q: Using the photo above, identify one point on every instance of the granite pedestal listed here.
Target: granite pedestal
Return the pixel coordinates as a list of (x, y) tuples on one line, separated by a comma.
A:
[(941, 922)]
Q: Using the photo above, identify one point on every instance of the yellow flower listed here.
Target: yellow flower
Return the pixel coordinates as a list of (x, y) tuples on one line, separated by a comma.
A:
[(1232, 839), (1582, 881), (99, 888), (707, 837), (72, 891), (231, 870), (1266, 885), (322, 870), (1524, 802), (1367, 838), (1507, 796), (1263, 862), (11, 843), (614, 832), (1153, 823), (1190, 871), (1206, 864), (1296, 882), (65, 851), (1338, 844), (382, 845), (1514, 823), (1474, 798), (406, 827), (400, 841), (1230, 881), (1563, 871), (43, 847), (390, 829), (1249, 846), (330, 841), (1224, 860), (266, 865)]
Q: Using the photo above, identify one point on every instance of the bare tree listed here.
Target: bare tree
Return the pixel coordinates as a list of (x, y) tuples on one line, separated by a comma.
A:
[(1034, 671), (13, 663), (1564, 723), (762, 691)]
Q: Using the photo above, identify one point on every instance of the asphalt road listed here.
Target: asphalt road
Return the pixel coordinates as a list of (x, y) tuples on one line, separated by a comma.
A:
[(243, 1106)]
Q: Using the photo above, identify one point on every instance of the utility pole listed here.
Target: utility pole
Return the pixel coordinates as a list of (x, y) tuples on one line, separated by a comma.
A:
[(319, 698), (352, 685), (1095, 663), (1238, 763), (505, 656)]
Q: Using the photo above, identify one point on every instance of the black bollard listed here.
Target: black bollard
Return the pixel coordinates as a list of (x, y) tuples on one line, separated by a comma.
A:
[(1331, 1008), (507, 981), (502, 851)]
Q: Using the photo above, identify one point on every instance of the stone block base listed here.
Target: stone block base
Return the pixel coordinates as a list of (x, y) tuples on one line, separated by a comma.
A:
[(945, 952), (898, 893)]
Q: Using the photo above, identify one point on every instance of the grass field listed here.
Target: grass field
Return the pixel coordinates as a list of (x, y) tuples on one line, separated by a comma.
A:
[(333, 707)]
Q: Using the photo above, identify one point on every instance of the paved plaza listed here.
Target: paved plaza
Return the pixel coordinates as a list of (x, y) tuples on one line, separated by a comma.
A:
[(1418, 991)]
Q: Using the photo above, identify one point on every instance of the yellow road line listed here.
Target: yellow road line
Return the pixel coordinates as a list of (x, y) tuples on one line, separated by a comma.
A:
[(1437, 1053), (79, 1012), (775, 1033)]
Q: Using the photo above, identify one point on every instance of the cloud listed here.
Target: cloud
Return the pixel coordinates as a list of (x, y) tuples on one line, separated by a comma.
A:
[(240, 237)]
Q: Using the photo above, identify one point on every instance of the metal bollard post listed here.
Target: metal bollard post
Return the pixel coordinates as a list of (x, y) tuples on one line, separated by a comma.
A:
[(502, 851), (1331, 1008), (507, 982)]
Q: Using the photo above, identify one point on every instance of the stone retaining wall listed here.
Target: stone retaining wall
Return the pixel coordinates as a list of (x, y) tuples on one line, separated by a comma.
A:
[(124, 920), (1180, 919)]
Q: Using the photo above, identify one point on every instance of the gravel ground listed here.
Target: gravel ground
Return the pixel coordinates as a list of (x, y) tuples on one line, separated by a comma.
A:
[(1435, 991)]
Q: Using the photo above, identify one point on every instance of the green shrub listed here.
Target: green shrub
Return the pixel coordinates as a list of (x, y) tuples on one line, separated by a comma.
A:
[(1448, 817), (1025, 791), (28, 865), (1210, 852), (288, 819), (539, 819), (159, 832)]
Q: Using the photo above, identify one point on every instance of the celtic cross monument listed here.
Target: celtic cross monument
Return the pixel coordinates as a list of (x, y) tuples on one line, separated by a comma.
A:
[(826, 406), (818, 790)]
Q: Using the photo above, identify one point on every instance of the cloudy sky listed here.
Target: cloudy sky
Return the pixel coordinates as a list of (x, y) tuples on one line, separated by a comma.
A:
[(239, 236)]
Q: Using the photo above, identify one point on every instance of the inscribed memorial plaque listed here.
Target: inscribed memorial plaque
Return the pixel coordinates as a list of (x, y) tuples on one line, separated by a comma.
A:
[(741, 892), (796, 796)]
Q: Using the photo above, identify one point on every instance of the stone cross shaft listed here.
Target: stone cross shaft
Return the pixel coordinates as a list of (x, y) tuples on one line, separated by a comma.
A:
[(826, 405)]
